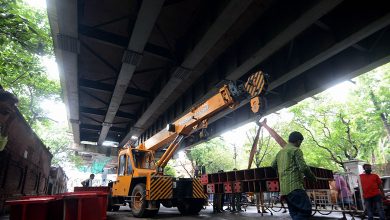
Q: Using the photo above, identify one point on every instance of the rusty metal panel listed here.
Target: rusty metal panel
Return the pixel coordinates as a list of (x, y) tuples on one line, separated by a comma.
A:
[(231, 176), (249, 174)]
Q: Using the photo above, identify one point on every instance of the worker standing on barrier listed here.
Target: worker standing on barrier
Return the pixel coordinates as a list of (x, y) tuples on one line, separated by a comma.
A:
[(372, 192), (7, 115), (88, 182), (291, 166)]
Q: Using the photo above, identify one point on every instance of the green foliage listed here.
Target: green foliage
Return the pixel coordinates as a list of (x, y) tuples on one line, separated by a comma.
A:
[(24, 28), (336, 132), (214, 154), (24, 40), (266, 148), (58, 139), (169, 170)]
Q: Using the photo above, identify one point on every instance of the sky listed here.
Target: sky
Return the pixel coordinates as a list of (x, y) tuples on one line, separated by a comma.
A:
[(41, 4)]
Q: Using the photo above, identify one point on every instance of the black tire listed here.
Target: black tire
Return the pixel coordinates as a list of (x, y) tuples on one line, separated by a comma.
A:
[(109, 203), (111, 206), (190, 206), (151, 213), (138, 201), (115, 208)]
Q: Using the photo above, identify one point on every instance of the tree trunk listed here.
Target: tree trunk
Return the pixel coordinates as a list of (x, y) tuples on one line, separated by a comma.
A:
[(382, 115)]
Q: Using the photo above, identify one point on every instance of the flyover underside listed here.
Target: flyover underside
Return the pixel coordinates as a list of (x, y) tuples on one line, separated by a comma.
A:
[(346, 65), (130, 67)]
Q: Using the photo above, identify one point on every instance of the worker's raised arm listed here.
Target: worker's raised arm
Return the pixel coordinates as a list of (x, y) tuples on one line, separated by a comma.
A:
[(273, 133)]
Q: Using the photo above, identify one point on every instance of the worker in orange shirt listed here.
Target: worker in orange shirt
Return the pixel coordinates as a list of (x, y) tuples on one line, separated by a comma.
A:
[(372, 192)]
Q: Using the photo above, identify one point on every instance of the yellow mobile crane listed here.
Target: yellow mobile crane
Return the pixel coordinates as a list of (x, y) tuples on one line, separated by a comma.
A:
[(140, 180)]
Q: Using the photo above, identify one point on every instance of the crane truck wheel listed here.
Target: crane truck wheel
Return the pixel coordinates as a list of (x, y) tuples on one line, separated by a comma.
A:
[(138, 201), (190, 206)]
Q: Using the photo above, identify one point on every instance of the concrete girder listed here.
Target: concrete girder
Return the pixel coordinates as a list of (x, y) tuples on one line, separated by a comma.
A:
[(336, 48), (353, 34), (66, 49), (102, 150), (224, 21), (310, 16), (144, 25), (96, 111), (99, 127), (122, 42), (345, 65), (90, 84), (289, 33)]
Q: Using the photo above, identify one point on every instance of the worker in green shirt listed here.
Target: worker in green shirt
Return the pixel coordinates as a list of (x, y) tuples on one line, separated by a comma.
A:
[(7, 115), (292, 168)]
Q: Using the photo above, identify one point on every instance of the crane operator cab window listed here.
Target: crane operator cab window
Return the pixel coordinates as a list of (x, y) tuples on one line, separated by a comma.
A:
[(122, 165), (129, 166), (143, 159)]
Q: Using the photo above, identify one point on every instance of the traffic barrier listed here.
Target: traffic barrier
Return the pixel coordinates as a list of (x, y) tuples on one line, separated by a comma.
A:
[(259, 173), (249, 174), (210, 188), (240, 175), (85, 206), (237, 187), (36, 207), (204, 179), (257, 180), (92, 189), (222, 177), (227, 187), (231, 176), (66, 206), (270, 173), (272, 185)]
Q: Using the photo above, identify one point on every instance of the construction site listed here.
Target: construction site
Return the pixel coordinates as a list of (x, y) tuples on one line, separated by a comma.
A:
[(193, 109)]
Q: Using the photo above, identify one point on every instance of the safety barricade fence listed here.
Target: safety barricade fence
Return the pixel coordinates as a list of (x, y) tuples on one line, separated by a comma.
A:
[(263, 179), (330, 199), (80, 205), (323, 192)]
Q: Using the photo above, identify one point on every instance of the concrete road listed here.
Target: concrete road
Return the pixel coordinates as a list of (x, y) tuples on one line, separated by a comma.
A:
[(169, 213)]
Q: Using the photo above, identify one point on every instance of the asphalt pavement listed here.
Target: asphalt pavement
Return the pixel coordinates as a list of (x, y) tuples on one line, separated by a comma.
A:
[(172, 213)]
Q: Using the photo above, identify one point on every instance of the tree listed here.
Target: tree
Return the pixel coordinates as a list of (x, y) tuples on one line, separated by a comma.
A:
[(266, 149), (168, 170), (214, 154), (58, 140), (24, 39), (373, 93), (351, 129)]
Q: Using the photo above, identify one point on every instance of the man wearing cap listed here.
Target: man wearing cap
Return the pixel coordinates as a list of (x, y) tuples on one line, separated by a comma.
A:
[(292, 168)]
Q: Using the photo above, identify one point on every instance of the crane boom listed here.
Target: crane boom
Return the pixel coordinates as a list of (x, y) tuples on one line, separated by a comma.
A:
[(143, 183), (228, 96)]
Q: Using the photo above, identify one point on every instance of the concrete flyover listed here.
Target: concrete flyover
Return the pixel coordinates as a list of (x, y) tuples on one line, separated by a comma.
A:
[(128, 68)]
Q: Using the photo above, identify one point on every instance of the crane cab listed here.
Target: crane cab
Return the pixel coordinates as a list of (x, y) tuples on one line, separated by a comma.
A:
[(133, 164)]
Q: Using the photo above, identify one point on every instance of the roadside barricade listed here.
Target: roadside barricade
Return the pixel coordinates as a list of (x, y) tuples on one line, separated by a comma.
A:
[(84, 205), (36, 207)]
